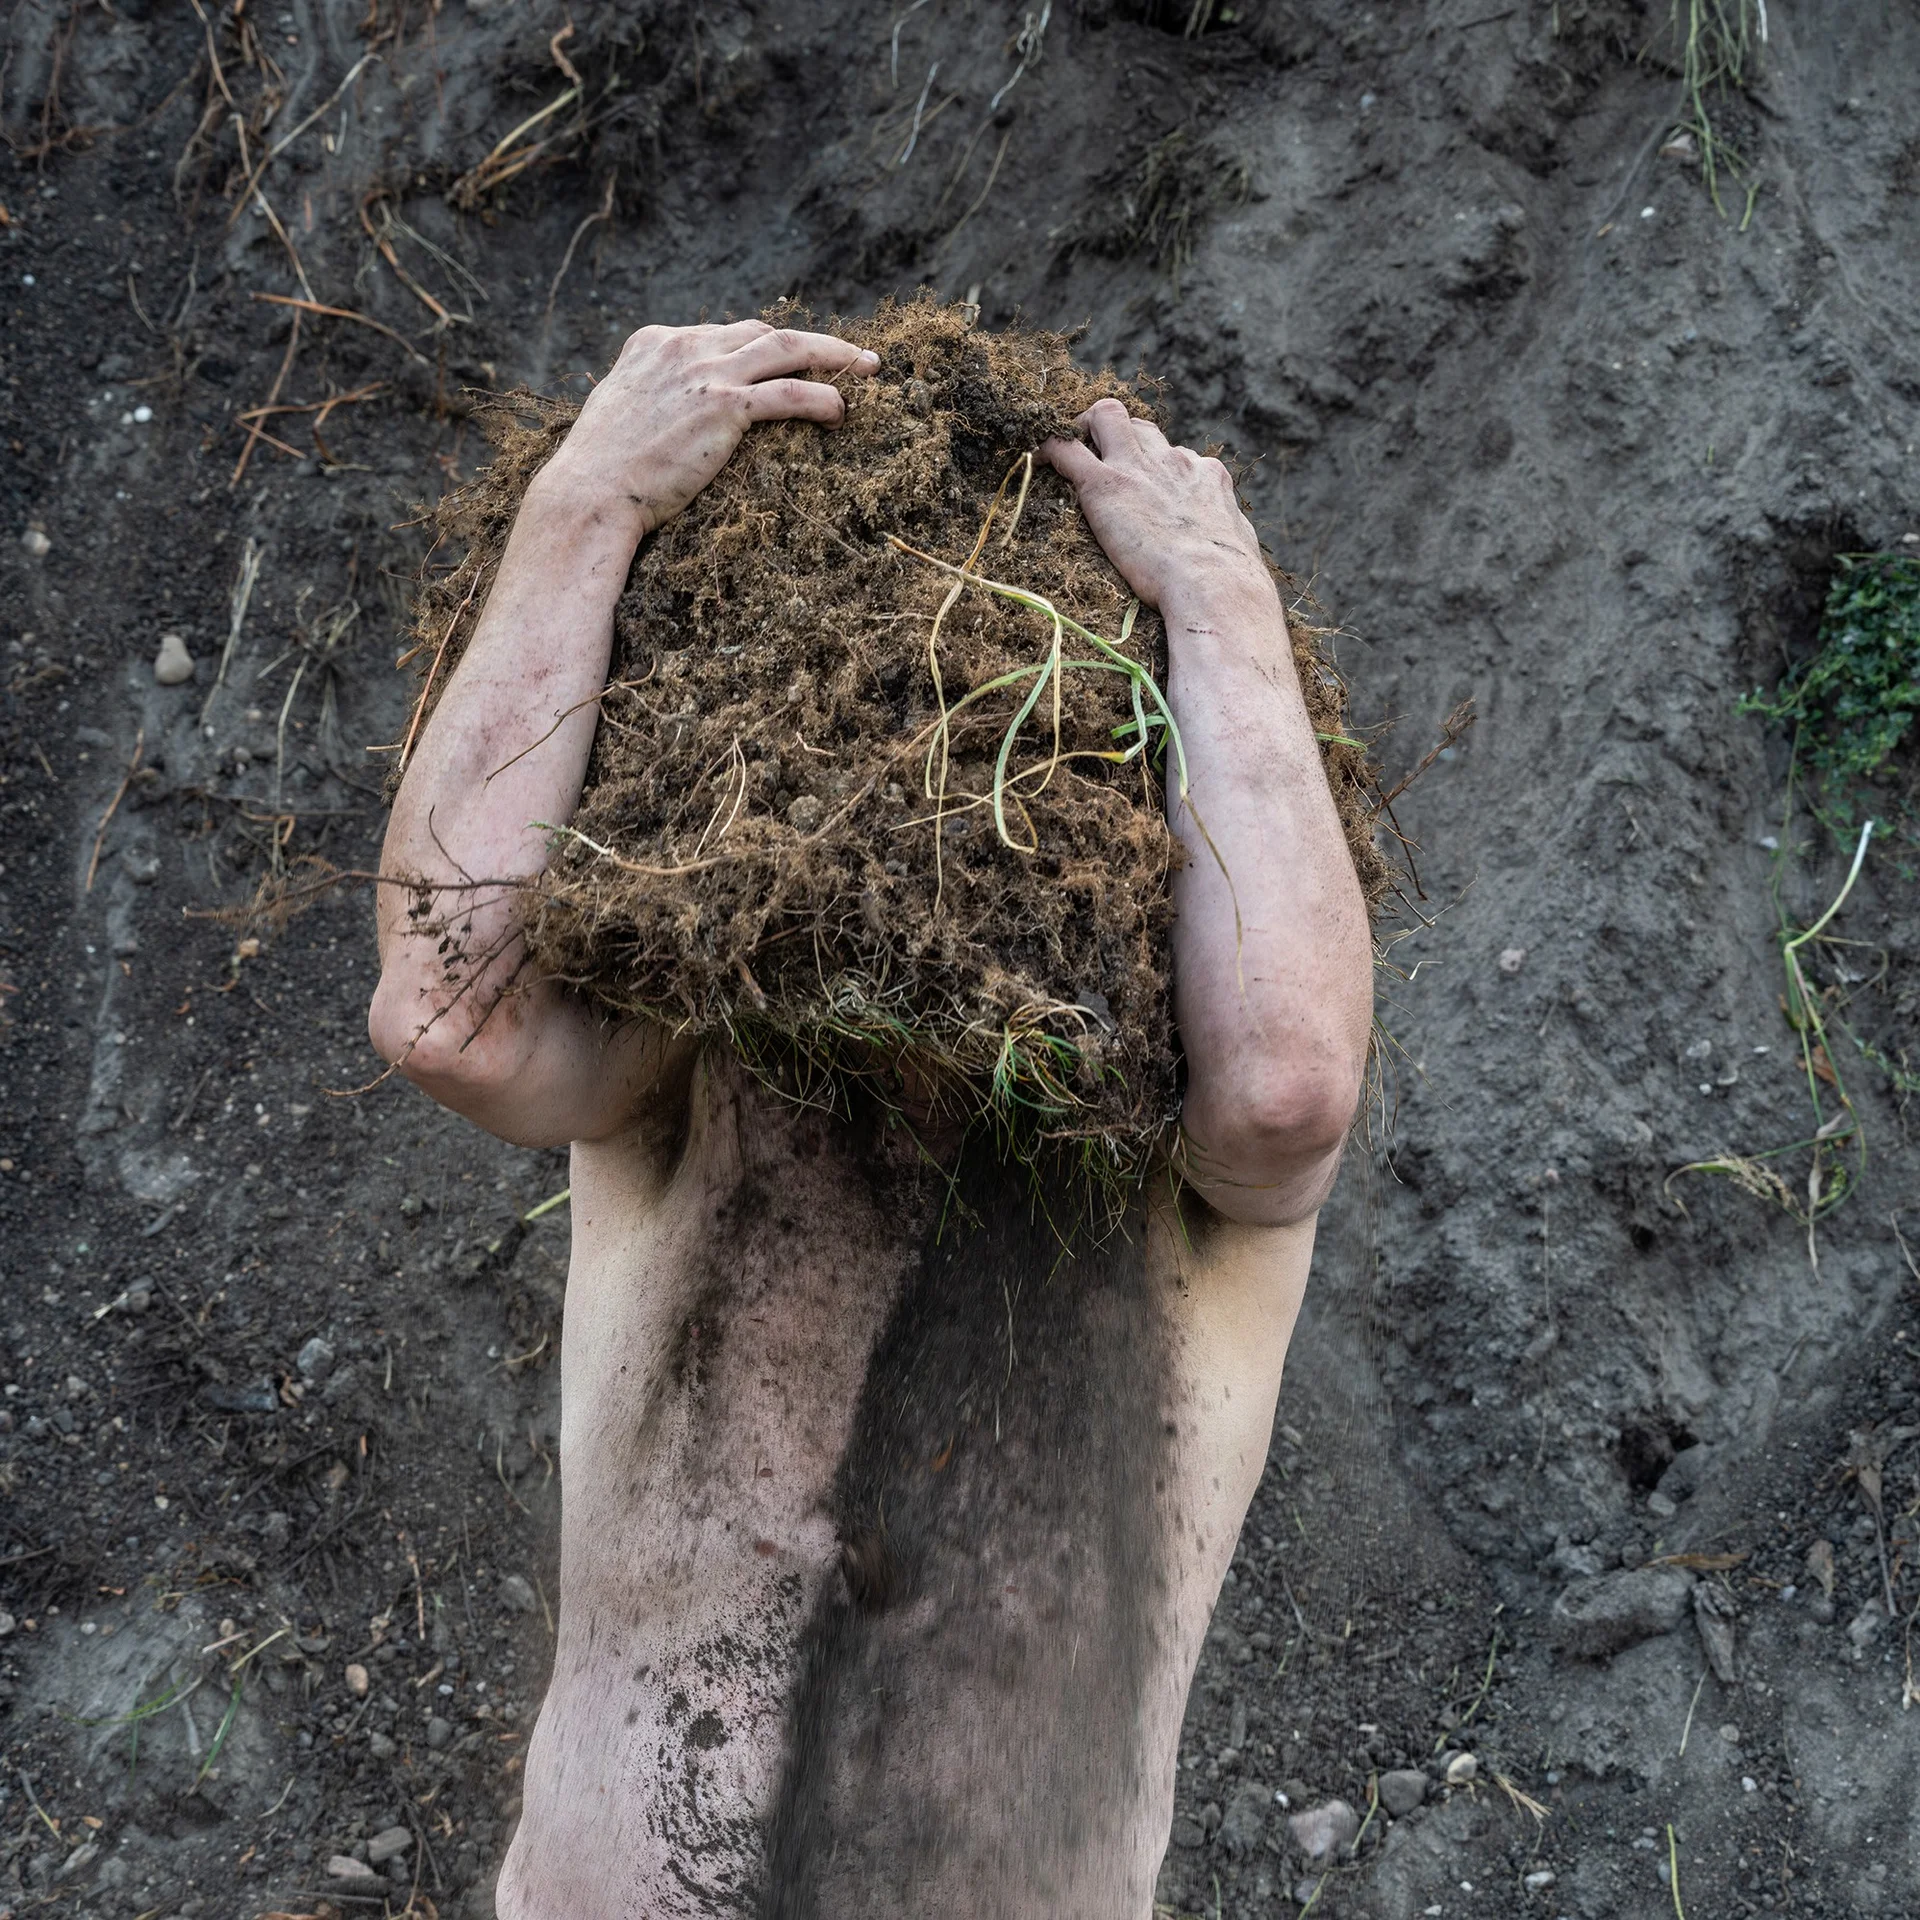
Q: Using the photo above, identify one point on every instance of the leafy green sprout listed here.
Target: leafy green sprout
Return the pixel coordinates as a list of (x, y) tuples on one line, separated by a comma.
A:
[(1853, 702)]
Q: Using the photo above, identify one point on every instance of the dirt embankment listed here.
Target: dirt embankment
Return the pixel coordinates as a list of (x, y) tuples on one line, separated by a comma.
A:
[(1540, 426)]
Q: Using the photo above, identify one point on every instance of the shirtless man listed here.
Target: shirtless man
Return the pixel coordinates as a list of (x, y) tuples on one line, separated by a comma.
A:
[(886, 1556)]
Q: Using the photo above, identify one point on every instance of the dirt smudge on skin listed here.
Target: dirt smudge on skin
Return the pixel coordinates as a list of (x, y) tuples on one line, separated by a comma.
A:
[(1004, 1567)]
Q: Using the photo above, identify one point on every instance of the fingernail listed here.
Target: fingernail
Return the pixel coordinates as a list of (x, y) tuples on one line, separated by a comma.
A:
[(868, 358)]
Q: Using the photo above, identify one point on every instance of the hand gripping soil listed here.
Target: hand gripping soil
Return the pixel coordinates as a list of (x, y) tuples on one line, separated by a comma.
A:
[(879, 788)]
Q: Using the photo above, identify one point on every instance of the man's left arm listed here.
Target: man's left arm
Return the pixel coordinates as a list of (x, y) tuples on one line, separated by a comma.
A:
[(1273, 960)]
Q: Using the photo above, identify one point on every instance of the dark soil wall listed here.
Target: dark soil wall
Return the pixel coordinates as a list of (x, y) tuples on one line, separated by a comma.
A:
[(1542, 428)]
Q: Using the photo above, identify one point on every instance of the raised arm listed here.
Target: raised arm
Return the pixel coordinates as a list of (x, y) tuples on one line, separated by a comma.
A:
[(1273, 1017), (457, 1008)]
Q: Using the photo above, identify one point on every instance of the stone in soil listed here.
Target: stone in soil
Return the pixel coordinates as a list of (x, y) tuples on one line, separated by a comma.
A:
[(1595, 1618), (1402, 1790), (386, 1845), (173, 664), (343, 1866), (1245, 1824), (517, 1595), (1320, 1832)]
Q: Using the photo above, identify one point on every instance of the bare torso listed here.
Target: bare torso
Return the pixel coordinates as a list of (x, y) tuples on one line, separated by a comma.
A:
[(889, 1541)]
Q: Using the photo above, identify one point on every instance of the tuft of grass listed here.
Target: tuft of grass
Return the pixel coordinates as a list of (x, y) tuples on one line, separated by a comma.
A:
[(1850, 704), (1717, 43), (1838, 1144), (1853, 702)]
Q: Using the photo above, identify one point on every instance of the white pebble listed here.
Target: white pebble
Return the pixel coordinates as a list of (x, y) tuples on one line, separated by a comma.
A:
[(26, 279), (1512, 959), (1646, 213), (36, 543), (173, 664), (141, 415)]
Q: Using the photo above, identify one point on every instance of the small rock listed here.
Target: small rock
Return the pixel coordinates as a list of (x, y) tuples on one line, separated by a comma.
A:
[(1245, 1825), (315, 1359), (439, 1733), (804, 815), (1661, 1506), (1865, 1626), (173, 664), (381, 1746), (1538, 1880), (1210, 1818), (139, 1299), (1595, 1618), (1713, 1615), (358, 1681), (386, 1844), (517, 1595), (1512, 959), (36, 543), (1820, 1565), (1306, 1891), (343, 1866), (79, 1860), (1320, 1832), (1402, 1790), (1460, 1768), (1187, 1833)]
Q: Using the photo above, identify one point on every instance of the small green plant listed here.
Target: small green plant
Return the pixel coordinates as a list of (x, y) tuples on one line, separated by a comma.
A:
[(1852, 703)]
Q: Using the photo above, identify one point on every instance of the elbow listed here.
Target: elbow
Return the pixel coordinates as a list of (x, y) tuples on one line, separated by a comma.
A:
[(1300, 1117), (1265, 1149), (430, 1043)]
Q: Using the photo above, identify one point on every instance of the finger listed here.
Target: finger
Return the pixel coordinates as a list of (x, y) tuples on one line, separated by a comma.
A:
[(1151, 439), (1075, 464), (790, 399), (737, 333), (783, 350), (1112, 429)]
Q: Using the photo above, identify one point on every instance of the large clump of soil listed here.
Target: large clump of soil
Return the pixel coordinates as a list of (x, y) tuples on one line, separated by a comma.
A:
[(781, 841)]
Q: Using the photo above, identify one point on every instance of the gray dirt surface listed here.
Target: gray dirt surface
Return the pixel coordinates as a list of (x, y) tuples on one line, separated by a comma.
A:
[(1545, 430)]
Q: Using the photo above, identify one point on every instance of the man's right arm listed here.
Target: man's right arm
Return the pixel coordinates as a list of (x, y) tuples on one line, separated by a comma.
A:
[(458, 1010)]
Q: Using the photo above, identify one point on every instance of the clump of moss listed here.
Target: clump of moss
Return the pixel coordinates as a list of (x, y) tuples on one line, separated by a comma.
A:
[(1853, 701)]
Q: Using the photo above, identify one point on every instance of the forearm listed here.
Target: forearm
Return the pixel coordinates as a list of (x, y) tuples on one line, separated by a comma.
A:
[(1272, 952), (462, 839)]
